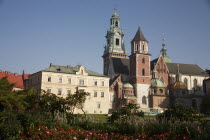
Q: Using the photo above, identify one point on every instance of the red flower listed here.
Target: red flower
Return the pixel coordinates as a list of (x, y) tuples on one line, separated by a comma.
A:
[(57, 125), (71, 130), (22, 137)]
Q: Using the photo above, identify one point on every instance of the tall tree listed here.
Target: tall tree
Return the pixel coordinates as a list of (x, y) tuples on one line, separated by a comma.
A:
[(208, 71)]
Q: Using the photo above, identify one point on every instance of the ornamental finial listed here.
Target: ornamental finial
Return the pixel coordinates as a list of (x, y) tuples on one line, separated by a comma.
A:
[(163, 38)]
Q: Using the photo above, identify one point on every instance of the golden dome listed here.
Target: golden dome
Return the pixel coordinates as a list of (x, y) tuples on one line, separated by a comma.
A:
[(179, 85)]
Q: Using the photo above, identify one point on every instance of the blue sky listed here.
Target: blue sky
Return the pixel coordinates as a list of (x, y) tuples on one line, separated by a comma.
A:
[(35, 33)]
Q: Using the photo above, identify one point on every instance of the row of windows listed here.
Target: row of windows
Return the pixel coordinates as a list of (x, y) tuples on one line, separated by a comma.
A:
[(96, 94), (137, 47), (69, 92), (195, 82), (81, 81)]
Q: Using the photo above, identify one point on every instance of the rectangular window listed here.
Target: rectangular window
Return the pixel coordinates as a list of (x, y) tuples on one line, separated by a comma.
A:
[(68, 92), (95, 83), (59, 91), (48, 90), (69, 80), (60, 80), (81, 81), (49, 79), (95, 94), (102, 83), (99, 105), (117, 42), (102, 94)]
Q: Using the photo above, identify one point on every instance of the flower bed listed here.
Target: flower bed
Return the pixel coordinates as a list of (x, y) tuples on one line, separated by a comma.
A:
[(42, 132)]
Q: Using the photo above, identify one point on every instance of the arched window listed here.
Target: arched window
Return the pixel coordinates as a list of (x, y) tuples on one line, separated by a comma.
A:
[(137, 47), (143, 60), (143, 47), (186, 82), (195, 82), (161, 79), (143, 72), (144, 100), (116, 24)]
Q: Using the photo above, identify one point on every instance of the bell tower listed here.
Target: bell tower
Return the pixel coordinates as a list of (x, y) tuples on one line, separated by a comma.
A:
[(140, 68), (114, 42)]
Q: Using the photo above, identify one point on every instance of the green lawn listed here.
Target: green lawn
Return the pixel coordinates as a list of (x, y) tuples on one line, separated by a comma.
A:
[(102, 118)]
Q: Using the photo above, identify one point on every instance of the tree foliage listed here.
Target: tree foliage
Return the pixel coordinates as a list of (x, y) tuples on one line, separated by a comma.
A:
[(76, 101), (208, 71), (205, 105), (125, 113), (179, 112), (29, 107)]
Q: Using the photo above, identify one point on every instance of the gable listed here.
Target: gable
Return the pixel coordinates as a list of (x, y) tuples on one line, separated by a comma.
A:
[(159, 65)]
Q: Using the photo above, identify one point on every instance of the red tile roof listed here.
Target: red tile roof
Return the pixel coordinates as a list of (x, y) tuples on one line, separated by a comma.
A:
[(14, 78)]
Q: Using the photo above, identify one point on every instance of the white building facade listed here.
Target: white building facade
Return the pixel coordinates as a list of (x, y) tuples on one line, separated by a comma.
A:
[(61, 80)]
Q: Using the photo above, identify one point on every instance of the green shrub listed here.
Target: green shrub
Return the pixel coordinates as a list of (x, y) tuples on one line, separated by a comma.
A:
[(10, 125), (181, 113)]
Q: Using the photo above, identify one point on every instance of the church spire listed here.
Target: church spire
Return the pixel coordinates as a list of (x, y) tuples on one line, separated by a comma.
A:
[(139, 44), (139, 36), (164, 50), (178, 75)]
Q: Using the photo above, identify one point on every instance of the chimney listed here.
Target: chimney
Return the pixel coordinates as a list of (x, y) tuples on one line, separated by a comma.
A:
[(50, 64)]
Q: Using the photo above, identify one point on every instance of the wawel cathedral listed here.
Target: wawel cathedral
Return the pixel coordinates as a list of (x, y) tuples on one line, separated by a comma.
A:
[(155, 84)]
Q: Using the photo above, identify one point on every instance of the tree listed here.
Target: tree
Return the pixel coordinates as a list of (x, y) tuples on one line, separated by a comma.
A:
[(205, 105), (9, 99), (5, 85), (179, 112), (208, 71), (125, 113), (76, 100)]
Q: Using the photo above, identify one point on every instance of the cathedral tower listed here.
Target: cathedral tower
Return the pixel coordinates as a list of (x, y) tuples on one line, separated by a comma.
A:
[(115, 45), (140, 68)]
